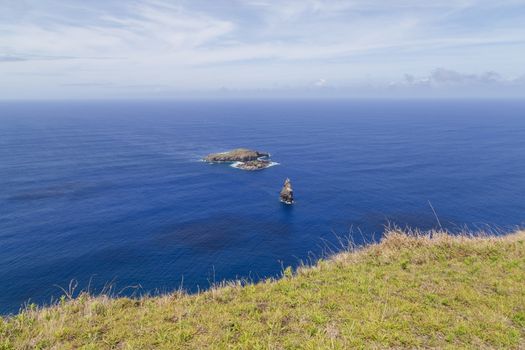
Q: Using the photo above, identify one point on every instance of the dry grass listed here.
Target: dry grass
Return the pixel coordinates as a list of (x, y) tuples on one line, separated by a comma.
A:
[(410, 291)]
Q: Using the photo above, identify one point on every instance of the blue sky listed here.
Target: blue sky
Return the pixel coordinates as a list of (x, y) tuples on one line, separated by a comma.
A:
[(357, 48)]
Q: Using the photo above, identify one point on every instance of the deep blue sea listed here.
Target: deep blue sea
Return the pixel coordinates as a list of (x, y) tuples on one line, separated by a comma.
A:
[(114, 192)]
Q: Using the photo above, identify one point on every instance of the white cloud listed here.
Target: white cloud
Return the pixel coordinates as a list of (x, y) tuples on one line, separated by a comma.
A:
[(253, 43), (144, 28), (442, 76), (320, 82)]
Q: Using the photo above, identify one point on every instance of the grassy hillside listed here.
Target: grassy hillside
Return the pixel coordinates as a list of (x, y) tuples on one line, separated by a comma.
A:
[(440, 292)]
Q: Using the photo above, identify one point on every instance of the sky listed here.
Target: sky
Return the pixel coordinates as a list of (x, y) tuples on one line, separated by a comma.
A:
[(70, 49)]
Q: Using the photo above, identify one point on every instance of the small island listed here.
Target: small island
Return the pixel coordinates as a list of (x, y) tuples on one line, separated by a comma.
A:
[(242, 158), (258, 164)]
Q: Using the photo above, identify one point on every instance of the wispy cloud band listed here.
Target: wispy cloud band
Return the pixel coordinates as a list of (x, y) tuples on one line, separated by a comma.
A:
[(249, 44)]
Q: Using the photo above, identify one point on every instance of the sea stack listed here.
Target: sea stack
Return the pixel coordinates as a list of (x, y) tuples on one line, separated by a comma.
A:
[(286, 194)]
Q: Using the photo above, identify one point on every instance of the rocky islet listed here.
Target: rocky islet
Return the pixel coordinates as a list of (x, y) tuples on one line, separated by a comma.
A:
[(242, 158)]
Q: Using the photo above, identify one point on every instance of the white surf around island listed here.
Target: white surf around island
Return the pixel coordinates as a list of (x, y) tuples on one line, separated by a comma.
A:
[(238, 165)]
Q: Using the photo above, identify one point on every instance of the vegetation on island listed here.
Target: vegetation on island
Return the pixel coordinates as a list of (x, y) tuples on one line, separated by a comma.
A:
[(409, 291)]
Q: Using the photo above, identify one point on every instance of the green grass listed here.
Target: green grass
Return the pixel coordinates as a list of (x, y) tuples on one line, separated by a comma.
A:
[(406, 292)]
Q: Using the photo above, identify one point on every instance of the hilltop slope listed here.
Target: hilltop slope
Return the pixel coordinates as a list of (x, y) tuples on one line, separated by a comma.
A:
[(408, 291)]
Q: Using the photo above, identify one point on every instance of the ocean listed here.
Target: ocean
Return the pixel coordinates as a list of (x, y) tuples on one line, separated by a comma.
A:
[(114, 193)]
